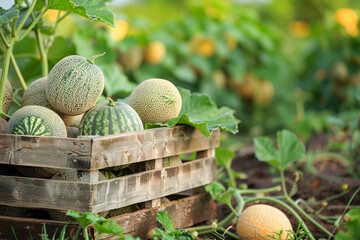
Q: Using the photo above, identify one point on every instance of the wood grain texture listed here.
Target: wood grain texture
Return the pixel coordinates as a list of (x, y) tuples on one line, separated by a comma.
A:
[(45, 151), (185, 212), (94, 153), (107, 194), (150, 144)]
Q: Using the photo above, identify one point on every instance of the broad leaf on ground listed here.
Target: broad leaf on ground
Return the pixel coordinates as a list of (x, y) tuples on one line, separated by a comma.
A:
[(290, 149), (7, 15), (202, 113)]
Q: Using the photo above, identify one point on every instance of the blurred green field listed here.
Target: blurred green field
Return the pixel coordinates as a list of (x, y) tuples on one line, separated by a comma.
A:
[(278, 64)]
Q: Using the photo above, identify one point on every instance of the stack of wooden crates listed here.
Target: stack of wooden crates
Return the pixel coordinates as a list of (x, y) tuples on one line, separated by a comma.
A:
[(88, 155)]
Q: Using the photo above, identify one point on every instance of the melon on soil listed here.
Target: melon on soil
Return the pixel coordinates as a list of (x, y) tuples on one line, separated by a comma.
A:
[(36, 121), (260, 220), (156, 100), (110, 118), (74, 85)]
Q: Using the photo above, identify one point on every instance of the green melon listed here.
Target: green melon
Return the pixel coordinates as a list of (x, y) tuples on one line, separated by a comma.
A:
[(36, 121), (8, 96), (3, 125), (13, 211), (74, 85), (156, 100), (112, 118), (37, 172), (35, 94)]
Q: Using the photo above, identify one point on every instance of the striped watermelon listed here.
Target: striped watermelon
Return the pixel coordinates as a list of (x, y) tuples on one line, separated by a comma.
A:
[(36, 121), (110, 118)]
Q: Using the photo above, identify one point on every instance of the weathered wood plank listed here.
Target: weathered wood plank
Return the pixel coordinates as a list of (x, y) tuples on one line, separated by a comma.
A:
[(45, 151), (107, 194), (150, 144), (185, 213), (93, 153)]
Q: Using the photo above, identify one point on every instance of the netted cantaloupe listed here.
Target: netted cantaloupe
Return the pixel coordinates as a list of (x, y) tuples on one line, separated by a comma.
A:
[(3, 125), (156, 100), (72, 132), (37, 172), (35, 94), (110, 118), (74, 85), (261, 221), (13, 211), (36, 121), (8, 96)]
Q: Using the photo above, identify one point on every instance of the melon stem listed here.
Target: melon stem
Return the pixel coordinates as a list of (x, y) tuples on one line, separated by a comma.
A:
[(111, 102), (92, 59)]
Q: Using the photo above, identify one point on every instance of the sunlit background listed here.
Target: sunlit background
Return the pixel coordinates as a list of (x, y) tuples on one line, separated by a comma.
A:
[(279, 64)]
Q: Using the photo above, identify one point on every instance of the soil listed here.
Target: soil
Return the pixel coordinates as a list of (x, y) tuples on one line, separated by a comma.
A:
[(327, 182)]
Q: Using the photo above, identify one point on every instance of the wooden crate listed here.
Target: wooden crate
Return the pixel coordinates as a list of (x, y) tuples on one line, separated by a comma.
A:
[(90, 154), (185, 212)]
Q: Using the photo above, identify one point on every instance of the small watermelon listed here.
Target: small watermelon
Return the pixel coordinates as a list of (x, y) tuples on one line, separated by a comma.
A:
[(110, 118), (36, 121)]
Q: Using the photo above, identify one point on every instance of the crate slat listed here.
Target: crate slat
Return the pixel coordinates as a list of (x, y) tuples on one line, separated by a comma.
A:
[(93, 153), (106, 194), (184, 212)]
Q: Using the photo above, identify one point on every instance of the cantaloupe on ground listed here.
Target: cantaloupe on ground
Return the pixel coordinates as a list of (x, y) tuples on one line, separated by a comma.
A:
[(110, 118), (260, 220), (35, 94), (74, 85), (36, 121), (156, 100)]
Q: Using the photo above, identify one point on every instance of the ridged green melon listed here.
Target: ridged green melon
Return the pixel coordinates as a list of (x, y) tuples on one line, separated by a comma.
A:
[(112, 118), (156, 100), (35, 94), (74, 85), (36, 121)]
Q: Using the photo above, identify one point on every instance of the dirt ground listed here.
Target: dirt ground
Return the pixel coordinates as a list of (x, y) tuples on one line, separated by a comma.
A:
[(311, 186)]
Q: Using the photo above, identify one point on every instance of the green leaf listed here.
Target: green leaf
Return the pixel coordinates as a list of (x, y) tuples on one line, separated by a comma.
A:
[(290, 148), (352, 226), (224, 157), (60, 48), (85, 219), (215, 189), (7, 15), (115, 81), (264, 149), (130, 238), (108, 226), (166, 221), (27, 48), (202, 113), (95, 10)]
